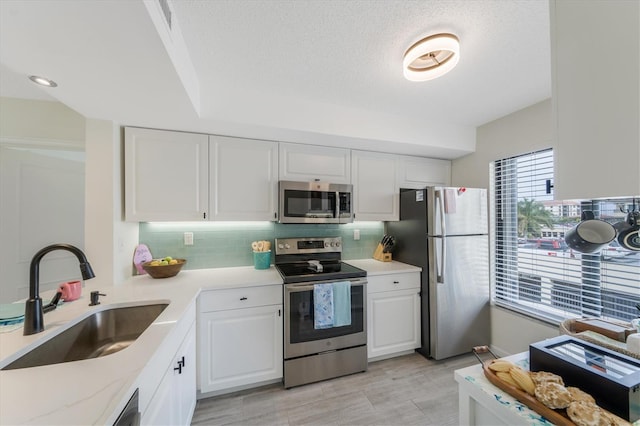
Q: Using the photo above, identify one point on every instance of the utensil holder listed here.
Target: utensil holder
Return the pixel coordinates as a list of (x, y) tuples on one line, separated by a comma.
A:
[(380, 255), (262, 259)]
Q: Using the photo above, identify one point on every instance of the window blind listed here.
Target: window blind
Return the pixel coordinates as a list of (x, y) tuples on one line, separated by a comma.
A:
[(535, 272)]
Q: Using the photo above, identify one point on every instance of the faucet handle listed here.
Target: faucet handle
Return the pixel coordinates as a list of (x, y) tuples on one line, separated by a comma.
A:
[(53, 304), (95, 298)]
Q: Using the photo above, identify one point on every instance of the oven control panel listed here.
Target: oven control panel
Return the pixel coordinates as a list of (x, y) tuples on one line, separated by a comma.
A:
[(308, 245)]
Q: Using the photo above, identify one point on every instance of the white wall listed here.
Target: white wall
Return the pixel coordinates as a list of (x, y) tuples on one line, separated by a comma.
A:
[(523, 131), (48, 121), (41, 192), (110, 242)]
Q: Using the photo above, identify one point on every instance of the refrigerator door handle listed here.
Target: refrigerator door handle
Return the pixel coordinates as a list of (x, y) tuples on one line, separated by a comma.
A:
[(439, 196), (443, 259)]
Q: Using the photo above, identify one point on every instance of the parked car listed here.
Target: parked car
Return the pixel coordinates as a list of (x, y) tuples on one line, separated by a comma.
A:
[(550, 244), (615, 251)]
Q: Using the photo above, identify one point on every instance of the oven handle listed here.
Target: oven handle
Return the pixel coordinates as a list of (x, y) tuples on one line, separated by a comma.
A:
[(294, 288)]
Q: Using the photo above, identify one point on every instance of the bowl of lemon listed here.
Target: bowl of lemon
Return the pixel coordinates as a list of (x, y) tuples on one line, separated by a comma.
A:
[(164, 268)]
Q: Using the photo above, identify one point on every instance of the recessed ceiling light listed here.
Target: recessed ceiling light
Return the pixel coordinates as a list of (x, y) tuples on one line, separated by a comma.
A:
[(43, 81), (431, 57)]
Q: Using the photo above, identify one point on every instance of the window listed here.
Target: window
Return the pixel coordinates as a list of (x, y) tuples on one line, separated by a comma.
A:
[(535, 272)]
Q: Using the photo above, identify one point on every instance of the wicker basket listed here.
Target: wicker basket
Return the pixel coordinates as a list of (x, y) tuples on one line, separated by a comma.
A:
[(164, 271), (566, 327)]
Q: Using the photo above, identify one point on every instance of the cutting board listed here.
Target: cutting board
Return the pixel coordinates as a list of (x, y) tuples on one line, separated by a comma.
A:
[(613, 331), (557, 417), (141, 255), (11, 311)]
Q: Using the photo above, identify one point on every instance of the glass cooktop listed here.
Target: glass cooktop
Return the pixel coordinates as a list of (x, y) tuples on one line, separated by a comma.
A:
[(297, 272)]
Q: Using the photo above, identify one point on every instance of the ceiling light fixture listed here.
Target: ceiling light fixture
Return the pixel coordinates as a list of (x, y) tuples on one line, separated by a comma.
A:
[(43, 81), (431, 57)]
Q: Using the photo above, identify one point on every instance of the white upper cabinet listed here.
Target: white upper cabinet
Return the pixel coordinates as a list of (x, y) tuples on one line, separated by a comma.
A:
[(418, 172), (243, 179), (375, 186), (179, 176), (595, 52), (166, 175), (304, 163)]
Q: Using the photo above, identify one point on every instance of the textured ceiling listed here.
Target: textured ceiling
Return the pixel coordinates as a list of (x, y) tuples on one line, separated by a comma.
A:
[(309, 71)]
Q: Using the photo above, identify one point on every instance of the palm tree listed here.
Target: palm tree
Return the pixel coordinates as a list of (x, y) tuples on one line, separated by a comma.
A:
[(532, 217)]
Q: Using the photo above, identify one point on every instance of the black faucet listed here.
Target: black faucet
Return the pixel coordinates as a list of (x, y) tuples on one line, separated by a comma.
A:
[(33, 310)]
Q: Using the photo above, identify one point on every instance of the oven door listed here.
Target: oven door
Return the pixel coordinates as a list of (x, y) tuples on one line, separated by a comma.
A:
[(301, 336)]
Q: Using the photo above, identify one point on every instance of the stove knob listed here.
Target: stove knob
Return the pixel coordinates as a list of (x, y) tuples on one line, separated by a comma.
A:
[(337, 243), (326, 244), (280, 246), (287, 246)]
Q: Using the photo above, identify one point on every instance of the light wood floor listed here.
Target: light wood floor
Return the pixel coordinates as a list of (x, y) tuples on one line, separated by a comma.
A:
[(408, 390)]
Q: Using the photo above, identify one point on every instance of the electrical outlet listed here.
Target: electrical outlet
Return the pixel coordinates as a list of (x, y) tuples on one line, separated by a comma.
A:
[(188, 238), (356, 234)]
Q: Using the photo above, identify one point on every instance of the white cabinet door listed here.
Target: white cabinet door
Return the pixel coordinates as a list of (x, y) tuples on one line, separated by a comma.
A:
[(240, 347), (166, 175), (184, 374), (597, 112), (306, 163), (393, 322), (243, 179), (375, 186), (175, 399), (418, 172), (160, 410)]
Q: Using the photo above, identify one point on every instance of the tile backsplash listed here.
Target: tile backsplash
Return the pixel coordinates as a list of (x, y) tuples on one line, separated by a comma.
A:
[(225, 244)]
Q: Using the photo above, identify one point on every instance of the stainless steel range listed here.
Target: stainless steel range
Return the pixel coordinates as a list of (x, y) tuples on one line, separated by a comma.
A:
[(325, 332)]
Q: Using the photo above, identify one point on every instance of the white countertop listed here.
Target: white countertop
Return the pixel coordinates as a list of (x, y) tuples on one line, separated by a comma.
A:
[(376, 267), (473, 383), (94, 391)]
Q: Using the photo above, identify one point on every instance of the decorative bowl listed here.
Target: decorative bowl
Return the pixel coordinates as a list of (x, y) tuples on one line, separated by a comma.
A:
[(164, 271)]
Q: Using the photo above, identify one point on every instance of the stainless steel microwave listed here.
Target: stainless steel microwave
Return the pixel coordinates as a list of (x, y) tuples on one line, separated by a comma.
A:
[(315, 202)]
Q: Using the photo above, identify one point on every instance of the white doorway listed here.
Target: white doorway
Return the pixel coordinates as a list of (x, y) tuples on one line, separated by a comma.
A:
[(41, 203)]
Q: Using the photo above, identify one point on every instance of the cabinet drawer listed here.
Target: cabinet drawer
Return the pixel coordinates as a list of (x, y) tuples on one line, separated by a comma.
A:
[(390, 282), (234, 298)]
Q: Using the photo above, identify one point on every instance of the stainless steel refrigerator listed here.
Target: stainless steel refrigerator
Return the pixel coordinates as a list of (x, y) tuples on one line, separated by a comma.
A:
[(445, 231)]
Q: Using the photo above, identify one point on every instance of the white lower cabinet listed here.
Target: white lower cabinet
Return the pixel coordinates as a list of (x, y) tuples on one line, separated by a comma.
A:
[(240, 340), (393, 314), (175, 399)]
